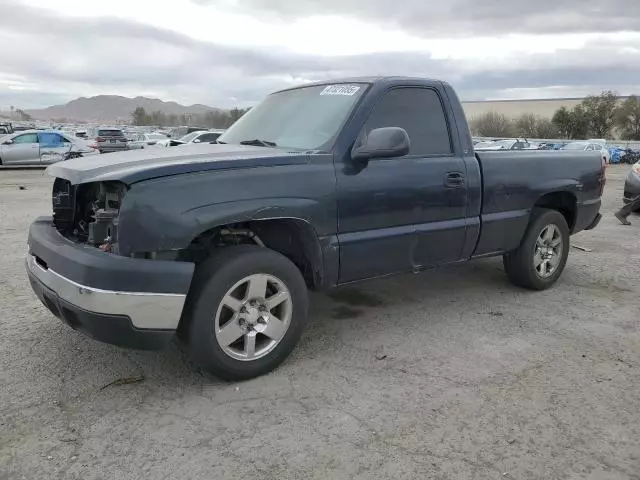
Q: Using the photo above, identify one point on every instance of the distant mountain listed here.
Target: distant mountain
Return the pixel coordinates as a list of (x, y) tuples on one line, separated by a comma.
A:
[(111, 108)]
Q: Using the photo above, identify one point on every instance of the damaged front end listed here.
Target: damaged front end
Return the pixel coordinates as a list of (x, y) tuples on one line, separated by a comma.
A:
[(88, 213)]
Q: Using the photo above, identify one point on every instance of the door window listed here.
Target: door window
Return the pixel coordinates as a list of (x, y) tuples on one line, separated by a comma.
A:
[(419, 111), (208, 137), (26, 138), (50, 140)]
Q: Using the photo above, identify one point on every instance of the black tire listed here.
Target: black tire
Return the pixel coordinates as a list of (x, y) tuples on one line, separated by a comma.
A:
[(212, 280), (519, 264)]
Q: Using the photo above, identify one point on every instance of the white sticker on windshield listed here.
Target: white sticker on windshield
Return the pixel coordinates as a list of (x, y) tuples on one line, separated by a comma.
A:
[(347, 90)]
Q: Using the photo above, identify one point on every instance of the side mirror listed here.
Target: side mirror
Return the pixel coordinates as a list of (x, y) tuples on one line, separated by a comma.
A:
[(197, 140), (386, 142), (7, 142)]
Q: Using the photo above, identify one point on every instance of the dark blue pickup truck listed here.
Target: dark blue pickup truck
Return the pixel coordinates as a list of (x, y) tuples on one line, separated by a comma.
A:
[(317, 186)]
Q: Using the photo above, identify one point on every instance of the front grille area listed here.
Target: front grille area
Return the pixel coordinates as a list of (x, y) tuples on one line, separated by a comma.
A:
[(87, 213)]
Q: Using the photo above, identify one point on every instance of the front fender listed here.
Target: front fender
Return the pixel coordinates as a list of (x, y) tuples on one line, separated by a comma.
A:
[(168, 213)]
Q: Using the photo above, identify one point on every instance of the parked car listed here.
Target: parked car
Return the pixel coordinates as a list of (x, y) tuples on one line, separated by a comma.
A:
[(632, 184), (318, 186), (6, 129), (143, 140), (508, 144), (590, 146), (178, 132), (203, 136), (41, 148), (111, 140)]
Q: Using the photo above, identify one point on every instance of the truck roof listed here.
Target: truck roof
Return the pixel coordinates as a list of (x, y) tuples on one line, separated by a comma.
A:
[(371, 79)]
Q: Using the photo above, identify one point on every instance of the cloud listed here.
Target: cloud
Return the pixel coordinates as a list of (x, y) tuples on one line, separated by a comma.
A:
[(462, 17), (54, 58)]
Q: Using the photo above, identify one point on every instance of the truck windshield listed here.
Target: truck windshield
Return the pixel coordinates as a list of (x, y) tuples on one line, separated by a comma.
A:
[(306, 118)]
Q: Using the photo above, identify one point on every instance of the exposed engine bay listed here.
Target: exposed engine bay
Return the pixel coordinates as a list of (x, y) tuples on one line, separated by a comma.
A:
[(88, 213)]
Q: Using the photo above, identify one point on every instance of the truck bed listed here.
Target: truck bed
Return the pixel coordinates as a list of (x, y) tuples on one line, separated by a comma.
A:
[(514, 182)]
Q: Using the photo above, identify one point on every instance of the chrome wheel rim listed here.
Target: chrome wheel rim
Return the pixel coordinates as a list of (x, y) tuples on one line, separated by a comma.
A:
[(548, 251), (253, 317)]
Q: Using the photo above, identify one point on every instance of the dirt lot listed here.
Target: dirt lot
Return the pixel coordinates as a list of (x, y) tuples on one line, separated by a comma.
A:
[(453, 374)]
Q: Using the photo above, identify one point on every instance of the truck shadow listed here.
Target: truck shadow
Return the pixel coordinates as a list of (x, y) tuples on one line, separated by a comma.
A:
[(435, 285)]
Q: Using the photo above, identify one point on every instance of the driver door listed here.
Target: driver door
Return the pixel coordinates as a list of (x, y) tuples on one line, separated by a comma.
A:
[(24, 150), (407, 213)]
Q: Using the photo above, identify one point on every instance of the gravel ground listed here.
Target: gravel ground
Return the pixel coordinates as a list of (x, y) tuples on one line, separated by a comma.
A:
[(452, 374)]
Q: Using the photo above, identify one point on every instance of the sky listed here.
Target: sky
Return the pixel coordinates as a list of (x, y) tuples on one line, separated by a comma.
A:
[(229, 53)]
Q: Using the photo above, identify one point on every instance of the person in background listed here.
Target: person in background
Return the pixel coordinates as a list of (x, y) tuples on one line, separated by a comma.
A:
[(625, 211)]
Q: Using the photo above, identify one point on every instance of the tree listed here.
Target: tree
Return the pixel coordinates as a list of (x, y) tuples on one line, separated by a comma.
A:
[(529, 125), (600, 113), (157, 118), (628, 118), (545, 129), (580, 123), (235, 114), (140, 117), (526, 125), (492, 124), (210, 119), (23, 116), (563, 121), (571, 124)]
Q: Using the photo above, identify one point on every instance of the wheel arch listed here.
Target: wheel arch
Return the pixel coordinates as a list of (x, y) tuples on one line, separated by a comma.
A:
[(293, 237), (562, 201)]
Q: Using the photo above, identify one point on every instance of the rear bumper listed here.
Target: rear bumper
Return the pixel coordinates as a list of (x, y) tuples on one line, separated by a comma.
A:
[(588, 216), (128, 302), (595, 222), (112, 149)]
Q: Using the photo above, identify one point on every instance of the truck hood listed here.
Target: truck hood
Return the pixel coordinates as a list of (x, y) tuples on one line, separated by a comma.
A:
[(137, 165)]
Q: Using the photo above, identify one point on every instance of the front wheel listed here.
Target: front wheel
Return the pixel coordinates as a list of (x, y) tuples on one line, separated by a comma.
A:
[(245, 312), (540, 260)]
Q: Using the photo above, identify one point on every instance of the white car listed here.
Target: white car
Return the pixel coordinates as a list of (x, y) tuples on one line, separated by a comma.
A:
[(201, 136), (508, 144), (143, 140), (590, 146)]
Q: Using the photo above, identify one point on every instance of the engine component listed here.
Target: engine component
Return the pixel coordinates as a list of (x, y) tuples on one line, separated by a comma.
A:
[(104, 227)]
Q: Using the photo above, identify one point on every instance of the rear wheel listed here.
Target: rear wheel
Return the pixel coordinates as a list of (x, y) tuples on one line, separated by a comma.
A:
[(245, 312), (540, 260)]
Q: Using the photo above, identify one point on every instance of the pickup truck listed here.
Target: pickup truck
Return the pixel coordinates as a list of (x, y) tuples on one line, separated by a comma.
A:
[(318, 186)]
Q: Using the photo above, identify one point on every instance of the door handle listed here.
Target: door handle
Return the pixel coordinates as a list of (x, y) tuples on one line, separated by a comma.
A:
[(454, 179)]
